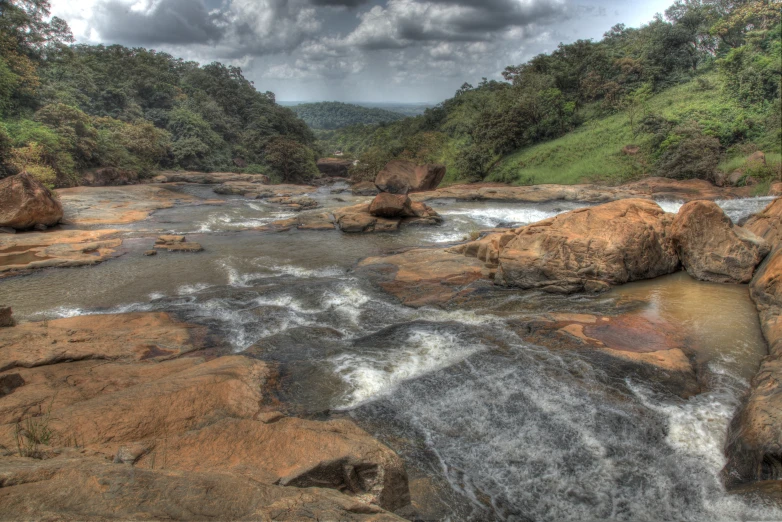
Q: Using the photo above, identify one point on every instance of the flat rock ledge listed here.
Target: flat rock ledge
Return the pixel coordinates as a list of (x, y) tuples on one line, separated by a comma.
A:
[(20, 253), (139, 405)]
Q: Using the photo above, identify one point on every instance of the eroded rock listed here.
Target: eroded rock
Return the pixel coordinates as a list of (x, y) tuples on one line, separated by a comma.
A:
[(26, 203), (712, 248), (404, 177), (391, 206), (768, 223), (590, 249)]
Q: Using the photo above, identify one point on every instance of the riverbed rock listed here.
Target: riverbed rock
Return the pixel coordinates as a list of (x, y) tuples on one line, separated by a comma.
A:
[(254, 190), (359, 219), (422, 277), (754, 446), (590, 249), (404, 177), (20, 253), (648, 188), (176, 244), (120, 205), (391, 206), (365, 188), (295, 203), (293, 452), (712, 248), (25, 203), (334, 167), (768, 223), (84, 487), (209, 178), (136, 336)]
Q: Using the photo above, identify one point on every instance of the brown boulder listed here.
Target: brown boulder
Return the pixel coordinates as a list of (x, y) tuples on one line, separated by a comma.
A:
[(391, 205), (712, 248), (590, 249), (334, 167), (292, 452), (26, 203), (404, 177), (775, 189), (75, 487), (768, 223)]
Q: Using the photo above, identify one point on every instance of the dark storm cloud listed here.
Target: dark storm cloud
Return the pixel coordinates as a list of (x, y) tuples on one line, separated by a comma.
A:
[(338, 3), (168, 22)]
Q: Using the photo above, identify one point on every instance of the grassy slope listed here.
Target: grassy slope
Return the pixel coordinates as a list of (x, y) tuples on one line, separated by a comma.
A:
[(593, 152)]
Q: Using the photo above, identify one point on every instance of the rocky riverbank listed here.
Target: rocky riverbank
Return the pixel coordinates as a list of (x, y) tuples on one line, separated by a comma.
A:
[(147, 407)]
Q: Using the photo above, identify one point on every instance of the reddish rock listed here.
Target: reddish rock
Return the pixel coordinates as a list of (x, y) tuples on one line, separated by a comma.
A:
[(391, 205), (712, 248), (365, 188), (591, 248), (775, 189), (109, 176), (404, 177), (26, 203)]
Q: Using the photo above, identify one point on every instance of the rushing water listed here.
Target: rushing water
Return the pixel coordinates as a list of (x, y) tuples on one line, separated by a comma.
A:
[(491, 426)]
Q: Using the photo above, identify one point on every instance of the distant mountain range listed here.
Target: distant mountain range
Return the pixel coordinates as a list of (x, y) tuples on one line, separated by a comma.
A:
[(337, 115)]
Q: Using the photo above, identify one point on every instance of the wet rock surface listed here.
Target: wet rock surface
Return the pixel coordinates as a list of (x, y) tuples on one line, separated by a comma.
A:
[(117, 389), (25, 203)]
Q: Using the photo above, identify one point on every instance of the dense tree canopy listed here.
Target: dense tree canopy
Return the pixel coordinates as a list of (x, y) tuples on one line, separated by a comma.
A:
[(82, 107)]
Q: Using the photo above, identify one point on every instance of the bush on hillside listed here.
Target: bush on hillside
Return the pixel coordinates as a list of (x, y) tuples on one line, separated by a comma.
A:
[(689, 153)]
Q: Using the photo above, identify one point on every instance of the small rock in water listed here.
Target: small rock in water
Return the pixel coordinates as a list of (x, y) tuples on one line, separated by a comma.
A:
[(150, 253), (40, 227), (6, 317), (176, 244), (164, 240)]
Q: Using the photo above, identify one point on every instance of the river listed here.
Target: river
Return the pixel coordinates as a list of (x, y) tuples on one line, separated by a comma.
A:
[(491, 426)]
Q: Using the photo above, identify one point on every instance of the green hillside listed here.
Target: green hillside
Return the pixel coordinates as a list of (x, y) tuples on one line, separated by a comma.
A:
[(692, 93)]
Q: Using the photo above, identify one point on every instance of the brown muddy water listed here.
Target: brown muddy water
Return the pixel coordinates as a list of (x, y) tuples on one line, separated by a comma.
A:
[(491, 426)]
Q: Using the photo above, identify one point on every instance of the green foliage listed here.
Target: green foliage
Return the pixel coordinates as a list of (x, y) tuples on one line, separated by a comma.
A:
[(335, 115), (290, 161), (688, 153), (30, 159)]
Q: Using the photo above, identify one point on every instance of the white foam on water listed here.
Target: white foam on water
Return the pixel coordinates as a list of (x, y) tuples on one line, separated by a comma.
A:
[(372, 375), (347, 300), (192, 289), (156, 295), (447, 237), (671, 206), (491, 217), (736, 209)]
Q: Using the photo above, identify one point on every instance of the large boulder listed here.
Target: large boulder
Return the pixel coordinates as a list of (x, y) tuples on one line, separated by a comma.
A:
[(404, 177), (591, 248), (334, 167), (712, 248), (390, 205), (768, 223), (26, 203)]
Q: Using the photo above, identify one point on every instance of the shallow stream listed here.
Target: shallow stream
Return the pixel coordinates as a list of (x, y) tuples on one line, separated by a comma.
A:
[(491, 426)]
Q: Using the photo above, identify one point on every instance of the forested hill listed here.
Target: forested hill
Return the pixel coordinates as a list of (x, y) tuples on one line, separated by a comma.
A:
[(692, 92), (336, 115), (67, 108)]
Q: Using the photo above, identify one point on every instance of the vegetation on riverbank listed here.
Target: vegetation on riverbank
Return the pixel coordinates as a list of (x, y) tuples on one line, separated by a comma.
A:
[(68, 108), (683, 97)]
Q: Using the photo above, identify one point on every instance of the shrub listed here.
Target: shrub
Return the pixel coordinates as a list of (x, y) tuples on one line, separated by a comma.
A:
[(688, 153)]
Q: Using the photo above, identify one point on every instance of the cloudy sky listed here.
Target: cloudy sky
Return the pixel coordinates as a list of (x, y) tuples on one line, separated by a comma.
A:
[(353, 50)]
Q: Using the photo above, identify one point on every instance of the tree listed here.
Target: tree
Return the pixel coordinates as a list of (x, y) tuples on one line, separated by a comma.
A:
[(290, 160)]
